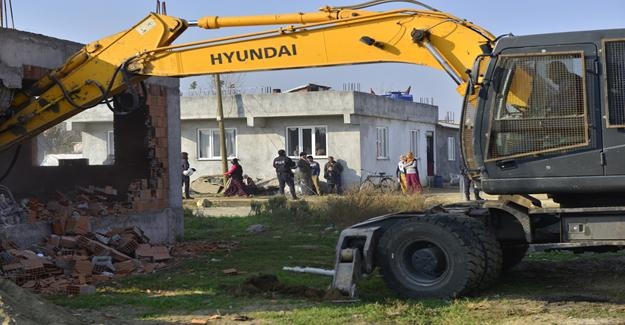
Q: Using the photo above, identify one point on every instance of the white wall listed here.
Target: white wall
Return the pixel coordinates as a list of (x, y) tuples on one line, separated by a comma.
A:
[(94, 138), (258, 146), (399, 143)]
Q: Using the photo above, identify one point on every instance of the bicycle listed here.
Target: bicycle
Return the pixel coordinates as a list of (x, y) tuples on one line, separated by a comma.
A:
[(378, 181)]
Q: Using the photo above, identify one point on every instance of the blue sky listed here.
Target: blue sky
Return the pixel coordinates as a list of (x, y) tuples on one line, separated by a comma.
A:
[(85, 21)]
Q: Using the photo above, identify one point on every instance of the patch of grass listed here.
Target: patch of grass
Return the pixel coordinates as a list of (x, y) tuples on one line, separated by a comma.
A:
[(357, 206)]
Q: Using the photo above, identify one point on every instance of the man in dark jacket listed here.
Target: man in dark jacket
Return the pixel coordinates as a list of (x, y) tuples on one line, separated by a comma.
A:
[(332, 173), (304, 173), (284, 170), (186, 177)]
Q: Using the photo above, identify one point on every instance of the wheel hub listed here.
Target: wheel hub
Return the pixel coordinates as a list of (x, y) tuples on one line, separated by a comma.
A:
[(425, 262)]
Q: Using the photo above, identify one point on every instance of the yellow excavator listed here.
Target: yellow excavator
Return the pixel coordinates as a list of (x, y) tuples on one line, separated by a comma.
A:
[(543, 114)]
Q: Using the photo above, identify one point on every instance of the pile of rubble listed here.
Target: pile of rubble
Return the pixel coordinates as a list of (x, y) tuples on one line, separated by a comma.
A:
[(85, 202), (74, 263)]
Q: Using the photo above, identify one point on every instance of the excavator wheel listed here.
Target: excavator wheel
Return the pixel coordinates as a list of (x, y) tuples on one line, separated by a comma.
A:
[(435, 256), (491, 250)]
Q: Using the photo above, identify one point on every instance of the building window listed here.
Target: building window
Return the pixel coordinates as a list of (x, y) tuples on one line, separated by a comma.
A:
[(382, 143), (415, 138), (305, 138), (209, 143), (451, 149), (110, 143)]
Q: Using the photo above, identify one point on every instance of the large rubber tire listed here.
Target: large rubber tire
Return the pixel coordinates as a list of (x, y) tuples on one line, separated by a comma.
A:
[(513, 255), (435, 256), (491, 248)]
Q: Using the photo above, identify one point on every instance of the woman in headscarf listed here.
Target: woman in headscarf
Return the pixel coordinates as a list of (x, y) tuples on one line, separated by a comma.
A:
[(413, 185), (401, 173), (236, 186)]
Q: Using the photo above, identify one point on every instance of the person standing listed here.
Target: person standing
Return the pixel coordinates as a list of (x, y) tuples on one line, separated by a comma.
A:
[(401, 173), (468, 183), (413, 185), (304, 174), (315, 169), (332, 173), (284, 170), (186, 174)]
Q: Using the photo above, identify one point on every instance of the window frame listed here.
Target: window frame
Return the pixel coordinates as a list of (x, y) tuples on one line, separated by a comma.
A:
[(493, 107), (451, 148), (210, 140), (385, 144), (417, 142), (300, 138), (110, 143)]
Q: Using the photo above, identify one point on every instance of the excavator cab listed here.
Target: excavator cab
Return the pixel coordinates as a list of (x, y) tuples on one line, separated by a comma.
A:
[(550, 105)]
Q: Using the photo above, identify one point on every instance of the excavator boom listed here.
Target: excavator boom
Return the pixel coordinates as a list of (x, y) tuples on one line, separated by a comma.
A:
[(329, 37)]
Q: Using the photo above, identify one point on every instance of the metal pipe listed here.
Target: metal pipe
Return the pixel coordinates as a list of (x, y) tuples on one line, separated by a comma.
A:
[(441, 60), (310, 270), (214, 22)]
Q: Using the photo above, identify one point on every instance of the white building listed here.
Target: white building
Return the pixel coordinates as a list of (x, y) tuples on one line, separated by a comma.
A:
[(364, 132)]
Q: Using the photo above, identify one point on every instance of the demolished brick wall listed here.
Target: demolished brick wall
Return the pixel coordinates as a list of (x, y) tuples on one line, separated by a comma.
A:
[(143, 181)]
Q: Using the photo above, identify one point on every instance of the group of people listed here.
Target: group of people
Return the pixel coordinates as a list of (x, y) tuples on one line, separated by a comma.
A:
[(308, 171), (408, 174)]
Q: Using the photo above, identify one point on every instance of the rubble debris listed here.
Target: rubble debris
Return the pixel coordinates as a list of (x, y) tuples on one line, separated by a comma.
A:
[(204, 203), (10, 210), (70, 211), (242, 318), (74, 264), (211, 184), (230, 271), (255, 229), (19, 306)]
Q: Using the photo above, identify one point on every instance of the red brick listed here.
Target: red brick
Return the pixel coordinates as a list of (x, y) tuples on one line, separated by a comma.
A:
[(58, 227), (126, 266), (160, 132), (69, 242), (83, 267)]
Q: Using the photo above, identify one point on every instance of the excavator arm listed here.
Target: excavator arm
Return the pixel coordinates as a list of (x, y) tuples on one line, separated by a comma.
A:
[(332, 36)]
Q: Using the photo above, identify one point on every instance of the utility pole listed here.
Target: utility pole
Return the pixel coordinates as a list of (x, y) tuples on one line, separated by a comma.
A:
[(222, 130)]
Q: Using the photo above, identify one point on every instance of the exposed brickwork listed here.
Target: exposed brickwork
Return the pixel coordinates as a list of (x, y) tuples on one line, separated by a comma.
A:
[(34, 73), (152, 193)]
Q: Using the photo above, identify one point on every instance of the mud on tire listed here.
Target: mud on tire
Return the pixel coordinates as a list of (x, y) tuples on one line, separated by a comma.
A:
[(433, 256)]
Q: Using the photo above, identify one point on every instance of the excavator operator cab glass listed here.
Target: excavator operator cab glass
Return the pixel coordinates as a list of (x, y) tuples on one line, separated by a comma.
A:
[(539, 105)]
